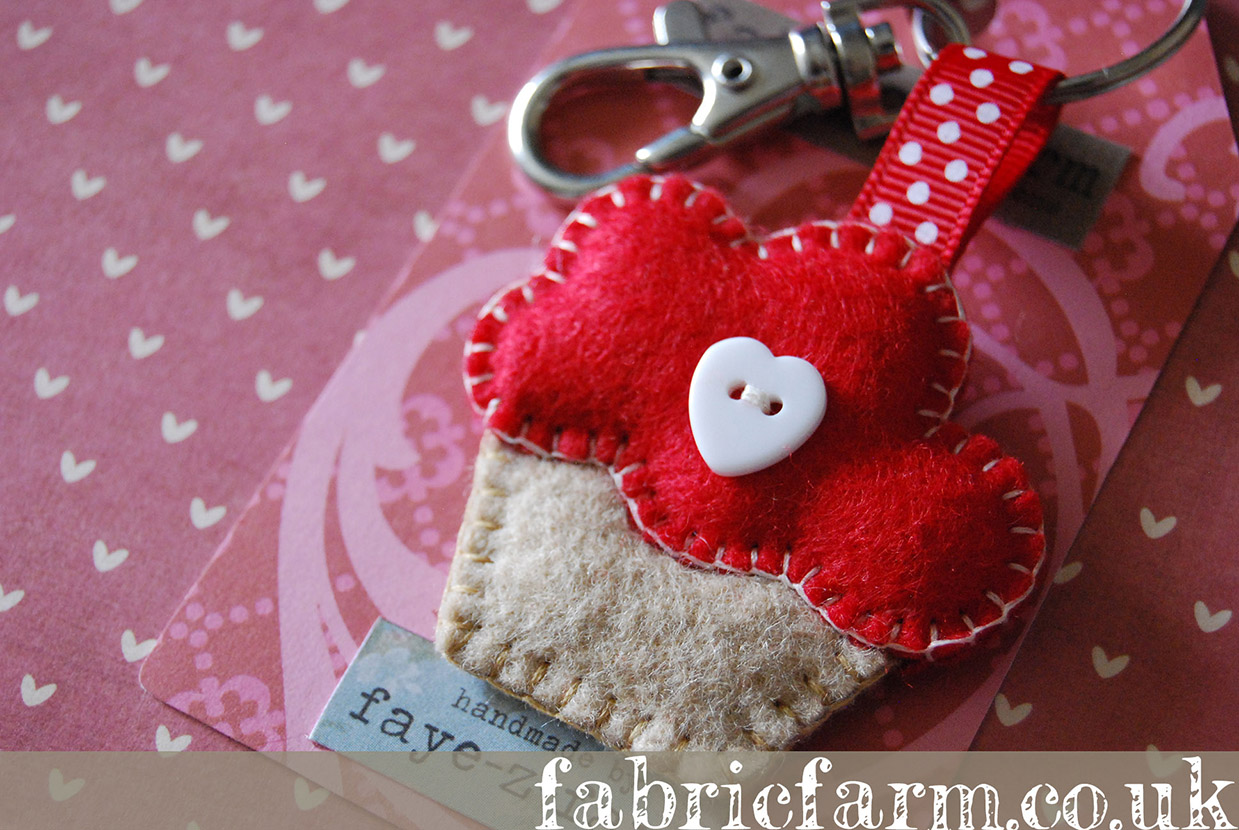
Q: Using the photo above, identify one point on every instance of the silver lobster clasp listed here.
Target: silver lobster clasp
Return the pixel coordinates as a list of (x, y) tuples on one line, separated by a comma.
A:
[(752, 67)]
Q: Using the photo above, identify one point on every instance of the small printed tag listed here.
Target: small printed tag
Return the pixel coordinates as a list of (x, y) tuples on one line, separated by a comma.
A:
[(399, 695), (1061, 195)]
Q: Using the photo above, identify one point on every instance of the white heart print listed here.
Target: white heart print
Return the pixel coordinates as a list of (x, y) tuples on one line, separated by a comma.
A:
[(749, 409)]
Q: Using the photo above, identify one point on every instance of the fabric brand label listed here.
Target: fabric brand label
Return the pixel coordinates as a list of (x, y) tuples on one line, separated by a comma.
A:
[(1061, 195)]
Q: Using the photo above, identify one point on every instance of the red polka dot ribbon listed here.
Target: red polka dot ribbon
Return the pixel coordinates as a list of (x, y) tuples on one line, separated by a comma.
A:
[(969, 130)]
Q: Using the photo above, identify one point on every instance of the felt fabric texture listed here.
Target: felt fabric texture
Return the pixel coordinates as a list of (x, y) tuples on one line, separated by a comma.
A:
[(553, 598), (897, 527)]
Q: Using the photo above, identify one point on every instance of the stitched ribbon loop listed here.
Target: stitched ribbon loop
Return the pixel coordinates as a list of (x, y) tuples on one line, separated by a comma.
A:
[(970, 128)]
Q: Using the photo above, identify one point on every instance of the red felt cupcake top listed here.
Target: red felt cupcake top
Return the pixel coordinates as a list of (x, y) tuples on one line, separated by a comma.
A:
[(897, 526)]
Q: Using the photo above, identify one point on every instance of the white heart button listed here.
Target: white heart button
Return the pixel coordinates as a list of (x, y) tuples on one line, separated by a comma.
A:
[(749, 409)]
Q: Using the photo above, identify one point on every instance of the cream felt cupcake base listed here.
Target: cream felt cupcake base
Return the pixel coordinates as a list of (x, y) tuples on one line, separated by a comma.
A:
[(555, 599)]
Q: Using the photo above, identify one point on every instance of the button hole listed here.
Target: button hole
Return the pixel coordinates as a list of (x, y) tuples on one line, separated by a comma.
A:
[(767, 403)]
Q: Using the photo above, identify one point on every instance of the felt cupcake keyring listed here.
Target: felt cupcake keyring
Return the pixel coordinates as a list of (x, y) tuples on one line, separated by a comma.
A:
[(767, 410)]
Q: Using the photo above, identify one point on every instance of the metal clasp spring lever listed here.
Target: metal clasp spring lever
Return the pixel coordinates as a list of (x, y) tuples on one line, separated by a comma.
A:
[(775, 71)]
